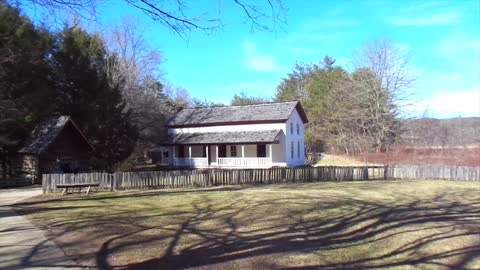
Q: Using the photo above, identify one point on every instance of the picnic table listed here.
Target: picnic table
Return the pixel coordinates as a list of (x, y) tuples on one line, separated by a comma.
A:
[(79, 186)]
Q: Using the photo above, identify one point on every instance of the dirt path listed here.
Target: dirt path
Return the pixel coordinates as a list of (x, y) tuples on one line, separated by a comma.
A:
[(23, 245)]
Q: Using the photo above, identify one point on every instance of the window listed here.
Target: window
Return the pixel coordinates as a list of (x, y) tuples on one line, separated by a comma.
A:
[(165, 154), (298, 149), (291, 128), (291, 149), (222, 151), (298, 129), (233, 150), (261, 150), (204, 151)]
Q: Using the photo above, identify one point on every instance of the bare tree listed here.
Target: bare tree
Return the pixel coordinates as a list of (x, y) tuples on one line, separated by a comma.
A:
[(262, 15), (134, 65), (134, 61), (385, 81), (178, 96), (391, 66)]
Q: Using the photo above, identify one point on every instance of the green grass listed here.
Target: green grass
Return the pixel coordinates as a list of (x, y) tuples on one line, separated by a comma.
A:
[(344, 225)]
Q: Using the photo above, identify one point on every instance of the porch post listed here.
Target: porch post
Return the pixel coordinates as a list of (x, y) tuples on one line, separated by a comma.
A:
[(270, 151), (216, 153), (190, 155), (206, 151), (174, 149), (243, 162)]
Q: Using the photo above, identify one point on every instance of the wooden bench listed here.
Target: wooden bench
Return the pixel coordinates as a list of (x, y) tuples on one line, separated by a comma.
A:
[(79, 186)]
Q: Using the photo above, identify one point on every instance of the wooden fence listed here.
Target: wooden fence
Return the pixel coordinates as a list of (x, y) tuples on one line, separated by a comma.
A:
[(436, 172), (50, 181), (217, 177)]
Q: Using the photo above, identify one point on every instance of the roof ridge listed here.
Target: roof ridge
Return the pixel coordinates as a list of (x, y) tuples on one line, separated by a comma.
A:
[(272, 112), (246, 105)]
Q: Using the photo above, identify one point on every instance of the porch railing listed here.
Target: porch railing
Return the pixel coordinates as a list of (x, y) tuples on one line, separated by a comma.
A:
[(191, 162), (244, 162)]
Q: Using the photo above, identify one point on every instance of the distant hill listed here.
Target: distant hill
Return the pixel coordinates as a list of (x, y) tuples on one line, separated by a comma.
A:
[(458, 132)]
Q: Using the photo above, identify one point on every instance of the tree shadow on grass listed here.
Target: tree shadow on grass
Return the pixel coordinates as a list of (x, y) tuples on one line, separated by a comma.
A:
[(334, 232), (137, 194)]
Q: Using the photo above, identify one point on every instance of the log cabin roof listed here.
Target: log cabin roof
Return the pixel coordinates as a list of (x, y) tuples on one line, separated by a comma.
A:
[(229, 137), (45, 133), (278, 112)]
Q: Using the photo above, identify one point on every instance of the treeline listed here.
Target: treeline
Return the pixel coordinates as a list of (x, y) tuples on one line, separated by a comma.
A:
[(434, 133), (107, 85), (352, 112), (111, 86)]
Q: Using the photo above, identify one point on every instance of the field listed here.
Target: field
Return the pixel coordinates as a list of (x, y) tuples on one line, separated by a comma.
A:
[(460, 157), (342, 225), (342, 160)]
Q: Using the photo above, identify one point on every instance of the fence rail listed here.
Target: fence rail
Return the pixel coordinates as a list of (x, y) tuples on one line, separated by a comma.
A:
[(208, 178), (245, 162), (436, 172), (191, 162)]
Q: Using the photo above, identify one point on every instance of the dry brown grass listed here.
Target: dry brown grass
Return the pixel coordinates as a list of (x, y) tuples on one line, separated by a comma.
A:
[(454, 157), (341, 160), (348, 225)]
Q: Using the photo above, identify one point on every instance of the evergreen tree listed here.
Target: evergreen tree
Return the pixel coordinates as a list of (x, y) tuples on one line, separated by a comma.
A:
[(319, 106), (294, 86), (84, 93), (25, 80), (244, 99)]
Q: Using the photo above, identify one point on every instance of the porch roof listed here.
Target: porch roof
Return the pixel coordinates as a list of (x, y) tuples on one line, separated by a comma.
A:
[(229, 137)]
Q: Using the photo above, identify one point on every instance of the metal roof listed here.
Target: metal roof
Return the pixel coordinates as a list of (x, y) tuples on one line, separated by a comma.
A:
[(46, 132), (258, 113), (229, 137)]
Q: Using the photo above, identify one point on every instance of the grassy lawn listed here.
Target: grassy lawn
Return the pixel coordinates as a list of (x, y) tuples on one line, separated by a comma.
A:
[(344, 225), (340, 160)]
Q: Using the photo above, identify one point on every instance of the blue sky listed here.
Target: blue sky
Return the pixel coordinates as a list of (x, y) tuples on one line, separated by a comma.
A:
[(443, 37)]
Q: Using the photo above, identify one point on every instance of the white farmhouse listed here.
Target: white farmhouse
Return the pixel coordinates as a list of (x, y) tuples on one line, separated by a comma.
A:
[(251, 136)]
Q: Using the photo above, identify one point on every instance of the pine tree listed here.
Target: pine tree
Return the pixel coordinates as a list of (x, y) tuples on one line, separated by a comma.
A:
[(84, 93), (25, 80)]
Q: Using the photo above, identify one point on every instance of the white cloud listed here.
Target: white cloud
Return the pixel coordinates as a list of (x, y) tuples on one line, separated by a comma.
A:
[(460, 52), (451, 104), (426, 6), (444, 18), (322, 24), (255, 87), (457, 43), (258, 62)]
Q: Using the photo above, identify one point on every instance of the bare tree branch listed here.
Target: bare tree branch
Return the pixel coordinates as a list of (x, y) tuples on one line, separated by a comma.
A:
[(173, 14)]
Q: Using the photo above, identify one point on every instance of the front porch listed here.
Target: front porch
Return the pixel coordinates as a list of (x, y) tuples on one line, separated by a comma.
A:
[(224, 156)]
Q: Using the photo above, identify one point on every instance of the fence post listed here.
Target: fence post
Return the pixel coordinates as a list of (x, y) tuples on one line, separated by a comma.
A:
[(113, 184), (385, 172), (365, 173), (44, 184)]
